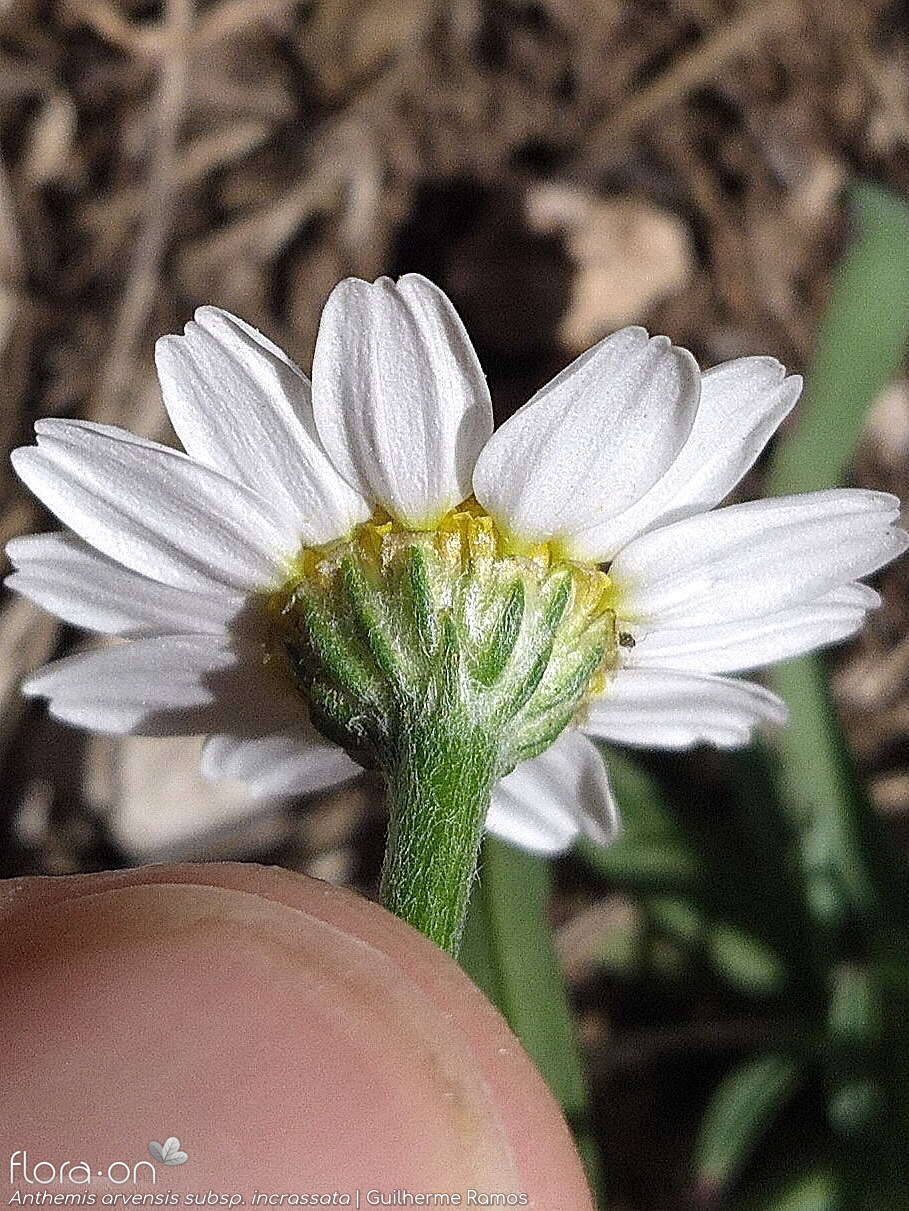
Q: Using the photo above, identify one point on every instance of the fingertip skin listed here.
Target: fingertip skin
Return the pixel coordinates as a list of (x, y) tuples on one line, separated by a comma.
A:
[(291, 1035)]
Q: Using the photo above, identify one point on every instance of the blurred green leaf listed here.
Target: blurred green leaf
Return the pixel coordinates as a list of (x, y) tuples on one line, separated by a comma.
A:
[(744, 1104), (854, 1016), (817, 1190), (747, 962), (855, 1099), (652, 850), (721, 881)]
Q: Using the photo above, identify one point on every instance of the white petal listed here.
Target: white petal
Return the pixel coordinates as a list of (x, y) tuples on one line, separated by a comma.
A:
[(742, 403), (664, 709), (858, 595), (293, 761), (154, 510), (400, 401), (753, 559), (749, 643), (544, 803), (64, 575), (591, 442), (166, 686), (241, 406)]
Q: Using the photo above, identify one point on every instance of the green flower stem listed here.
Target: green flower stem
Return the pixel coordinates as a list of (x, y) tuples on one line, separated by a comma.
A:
[(440, 774)]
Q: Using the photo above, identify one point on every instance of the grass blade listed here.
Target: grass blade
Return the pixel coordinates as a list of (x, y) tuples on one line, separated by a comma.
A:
[(859, 349), (508, 952)]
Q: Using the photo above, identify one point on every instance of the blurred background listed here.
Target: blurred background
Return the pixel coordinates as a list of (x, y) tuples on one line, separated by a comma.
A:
[(721, 1002)]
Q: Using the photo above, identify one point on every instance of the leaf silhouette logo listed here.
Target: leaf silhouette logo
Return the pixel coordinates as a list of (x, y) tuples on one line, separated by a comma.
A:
[(168, 1153)]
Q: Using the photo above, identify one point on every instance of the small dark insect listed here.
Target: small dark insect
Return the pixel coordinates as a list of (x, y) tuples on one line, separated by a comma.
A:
[(626, 640)]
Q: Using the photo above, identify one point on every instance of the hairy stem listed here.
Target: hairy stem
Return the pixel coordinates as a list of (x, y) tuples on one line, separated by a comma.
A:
[(440, 775)]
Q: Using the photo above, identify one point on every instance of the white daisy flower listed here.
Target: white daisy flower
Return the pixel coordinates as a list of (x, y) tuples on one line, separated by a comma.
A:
[(564, 576)]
